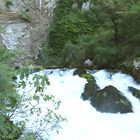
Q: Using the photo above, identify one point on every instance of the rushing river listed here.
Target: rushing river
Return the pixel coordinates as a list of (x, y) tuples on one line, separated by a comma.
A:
[(83, 121)]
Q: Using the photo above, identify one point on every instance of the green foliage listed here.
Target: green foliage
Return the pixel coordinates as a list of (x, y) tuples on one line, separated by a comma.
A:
[(8, 3), (106, 56), (28, 137), (88, 77), (104, 33), (67, 25), (2, 28), (132, 28), (8, 130), (75, 54), (9, 100), (67, 29), (22, 101), (8, 94), (63, 8), (72, 54), (5, 55), (38, 121), (25, 16), (97, 47), (130, 31), (106, 53)]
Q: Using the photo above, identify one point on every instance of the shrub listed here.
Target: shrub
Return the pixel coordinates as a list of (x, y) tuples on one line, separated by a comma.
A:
[(8, 3), (25, 16)]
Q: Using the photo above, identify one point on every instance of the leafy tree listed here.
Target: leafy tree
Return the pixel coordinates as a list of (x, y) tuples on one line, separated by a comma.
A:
[(130, 33), (104, 33), (63, 8), (43, 119), (67, 29), (108, 14), (9, 99), (76, 54), (21, 111)]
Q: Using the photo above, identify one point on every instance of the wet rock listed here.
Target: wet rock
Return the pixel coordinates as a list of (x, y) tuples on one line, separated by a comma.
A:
[(135, 92), (90, 89), (79, 71), (111, 100)]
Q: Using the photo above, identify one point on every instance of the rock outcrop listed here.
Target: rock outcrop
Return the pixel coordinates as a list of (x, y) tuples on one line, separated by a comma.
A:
[(79, 72), (111, 100), (23, 26), (135, 92)]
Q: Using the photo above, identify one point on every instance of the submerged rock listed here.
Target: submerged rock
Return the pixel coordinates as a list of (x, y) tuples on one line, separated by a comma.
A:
[(110, 100), (135, 92)]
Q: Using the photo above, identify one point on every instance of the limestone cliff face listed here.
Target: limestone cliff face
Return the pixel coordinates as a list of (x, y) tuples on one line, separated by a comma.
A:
[(23, 26)]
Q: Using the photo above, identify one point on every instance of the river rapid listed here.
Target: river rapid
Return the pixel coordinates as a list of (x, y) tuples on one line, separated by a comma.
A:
[(83, 121)]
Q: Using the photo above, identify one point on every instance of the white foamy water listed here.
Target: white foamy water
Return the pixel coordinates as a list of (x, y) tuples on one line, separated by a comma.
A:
[(83, 121)]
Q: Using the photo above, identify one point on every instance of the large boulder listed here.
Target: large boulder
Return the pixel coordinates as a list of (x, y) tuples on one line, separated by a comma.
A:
[(111, 100), (135, 92)]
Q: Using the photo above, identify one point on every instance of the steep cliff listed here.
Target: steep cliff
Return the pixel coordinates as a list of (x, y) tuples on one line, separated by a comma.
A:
[(23, 27)]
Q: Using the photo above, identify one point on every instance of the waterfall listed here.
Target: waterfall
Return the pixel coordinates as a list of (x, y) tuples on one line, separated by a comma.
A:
[(83, 121)]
